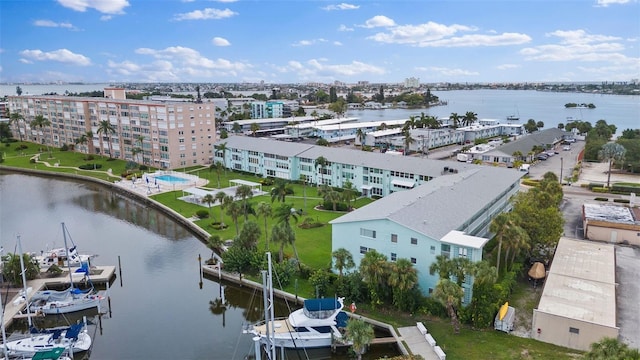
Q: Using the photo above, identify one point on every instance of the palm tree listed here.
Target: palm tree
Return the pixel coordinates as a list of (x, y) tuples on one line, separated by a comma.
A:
[(279, 191), (373, 268), (610, 349), (254, 128), (135, 151), (320, 162), (518, 240), (40, 122), (360, 334), (303, 180), (349, 194), (214, 242), (362, 137), (449, 294), (223, 199), (244, 192), (235, 211), (218, 167), (283, 233), (140, 140), (484, 273), (105, 128), (469, 118), (501, 226), (330, 195), (264, 209), (455, 120), (342, 260), (442, 267), (611, 152), (408, 140), (402, 278), (82, 140), (222, 147), (209, 199), (16, 118)]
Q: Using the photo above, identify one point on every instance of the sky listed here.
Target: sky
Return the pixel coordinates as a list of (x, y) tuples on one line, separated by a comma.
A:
[(300, 41)]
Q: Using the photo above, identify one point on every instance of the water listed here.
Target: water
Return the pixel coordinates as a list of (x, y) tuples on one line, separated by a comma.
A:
[(160, 311), (548, 107), (171, 179)]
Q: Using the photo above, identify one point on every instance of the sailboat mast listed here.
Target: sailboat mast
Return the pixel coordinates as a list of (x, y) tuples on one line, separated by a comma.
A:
[(4, 333), (66, 249), (24, 281), (267, 292)]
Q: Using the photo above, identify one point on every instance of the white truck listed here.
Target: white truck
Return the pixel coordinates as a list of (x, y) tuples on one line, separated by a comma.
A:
[(463, 157)]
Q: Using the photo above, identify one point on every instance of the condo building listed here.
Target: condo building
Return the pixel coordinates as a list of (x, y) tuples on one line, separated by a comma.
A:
[(165, 135)]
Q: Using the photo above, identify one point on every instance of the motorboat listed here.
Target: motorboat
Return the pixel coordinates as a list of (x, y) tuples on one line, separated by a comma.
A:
[(318, 324), (74, 337)]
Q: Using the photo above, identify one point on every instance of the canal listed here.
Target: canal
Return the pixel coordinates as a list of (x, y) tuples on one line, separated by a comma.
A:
[(159, 308)]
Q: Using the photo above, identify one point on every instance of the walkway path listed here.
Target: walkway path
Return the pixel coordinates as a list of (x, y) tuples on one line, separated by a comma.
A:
[(417, 342)]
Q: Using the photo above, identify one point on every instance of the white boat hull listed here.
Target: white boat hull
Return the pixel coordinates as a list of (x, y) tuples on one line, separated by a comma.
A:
[(67, 306), (42, 342)]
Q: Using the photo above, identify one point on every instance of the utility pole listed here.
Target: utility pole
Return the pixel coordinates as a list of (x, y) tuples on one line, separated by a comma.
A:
[(561, 160)]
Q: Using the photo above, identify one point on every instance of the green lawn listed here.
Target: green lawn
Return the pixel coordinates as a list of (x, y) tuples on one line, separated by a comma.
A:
[(314, 248)]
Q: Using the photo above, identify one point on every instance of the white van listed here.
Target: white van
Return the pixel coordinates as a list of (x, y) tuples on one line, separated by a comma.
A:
[(524, 168)]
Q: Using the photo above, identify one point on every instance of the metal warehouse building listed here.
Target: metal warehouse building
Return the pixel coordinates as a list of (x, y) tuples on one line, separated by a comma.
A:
[(578, 303)]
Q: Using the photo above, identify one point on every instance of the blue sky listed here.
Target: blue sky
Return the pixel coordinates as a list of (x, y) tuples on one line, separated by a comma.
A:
[(297, 41)]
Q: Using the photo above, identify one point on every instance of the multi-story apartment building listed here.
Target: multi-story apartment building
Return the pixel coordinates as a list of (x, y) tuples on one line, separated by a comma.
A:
[(165, 135)]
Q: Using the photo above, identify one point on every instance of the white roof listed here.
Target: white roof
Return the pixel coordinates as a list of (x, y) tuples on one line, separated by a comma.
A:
[(459, 238), (362, 124), (199, 192), (581, 282), (610, 213), (244, 182)]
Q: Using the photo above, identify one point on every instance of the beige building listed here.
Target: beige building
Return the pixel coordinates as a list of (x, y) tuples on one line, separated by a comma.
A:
[(578, 302), (165, 135), (611, 223)]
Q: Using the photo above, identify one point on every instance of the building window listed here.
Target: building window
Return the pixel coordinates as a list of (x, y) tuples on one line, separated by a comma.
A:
[(445, 250), (462, 252), (393, 256), (430, 291), (414, 241), (363, 249), (394, 238), (413, 260), (574, 330), (433, 249), (368, 233)]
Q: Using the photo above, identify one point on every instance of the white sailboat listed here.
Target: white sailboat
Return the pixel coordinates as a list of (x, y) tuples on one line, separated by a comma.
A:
[(316, 325), (75, 337), (69, 300)]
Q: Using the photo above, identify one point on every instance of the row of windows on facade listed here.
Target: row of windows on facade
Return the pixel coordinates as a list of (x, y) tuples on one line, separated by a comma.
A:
[(445, 249)]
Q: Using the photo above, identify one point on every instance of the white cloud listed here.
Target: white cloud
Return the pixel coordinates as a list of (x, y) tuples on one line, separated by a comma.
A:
[(479, 40), (225, 1), (103, 6), (106, 17), (308, 42), (50, 23), (218, 41), (507, 66), (342, 6), (452, 72), (416, 34), (605, 3), (25, 61), (379, 21), (337, 43), (344, 28), (577, 45), (183, 63), (205, 14), (60, 55), (318, 69)]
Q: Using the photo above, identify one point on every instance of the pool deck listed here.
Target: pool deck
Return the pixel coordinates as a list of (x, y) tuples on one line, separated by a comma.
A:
[(144, 188)]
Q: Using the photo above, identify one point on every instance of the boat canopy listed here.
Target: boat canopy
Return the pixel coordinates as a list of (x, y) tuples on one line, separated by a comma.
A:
[(320, 308)]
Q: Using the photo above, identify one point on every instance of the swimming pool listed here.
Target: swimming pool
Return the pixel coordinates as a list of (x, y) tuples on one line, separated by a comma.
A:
[(171, 179)]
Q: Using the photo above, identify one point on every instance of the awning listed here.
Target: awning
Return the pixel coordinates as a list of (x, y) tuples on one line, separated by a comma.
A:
[(403, 183), (198, 192), (367, 187)]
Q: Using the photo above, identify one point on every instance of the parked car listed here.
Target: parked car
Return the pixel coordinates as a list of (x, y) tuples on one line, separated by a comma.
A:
[(542, 157), (566, 148)]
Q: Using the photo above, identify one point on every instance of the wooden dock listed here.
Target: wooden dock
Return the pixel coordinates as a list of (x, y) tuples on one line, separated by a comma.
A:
[(14, 307)]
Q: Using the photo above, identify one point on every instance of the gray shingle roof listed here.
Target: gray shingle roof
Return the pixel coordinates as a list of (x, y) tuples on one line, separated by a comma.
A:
[(265, 145), (526, 143), (442, 204)]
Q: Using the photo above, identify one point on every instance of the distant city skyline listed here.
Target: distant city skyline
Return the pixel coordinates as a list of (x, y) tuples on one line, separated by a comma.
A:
[(228, 41)]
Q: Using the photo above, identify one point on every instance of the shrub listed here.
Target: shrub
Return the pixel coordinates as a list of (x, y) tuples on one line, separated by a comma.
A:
[(90, 157), (600, 190), (624, 189), (54, 270), (621, 201), (601, 199), (143, 167), (22, 147), (202, 214), (64, 147), (90, 166), (328, 205), (310, 223)]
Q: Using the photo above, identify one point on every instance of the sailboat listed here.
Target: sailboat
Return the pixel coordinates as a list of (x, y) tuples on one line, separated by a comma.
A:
[(45, 344), (316, 325), (69, 300)]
